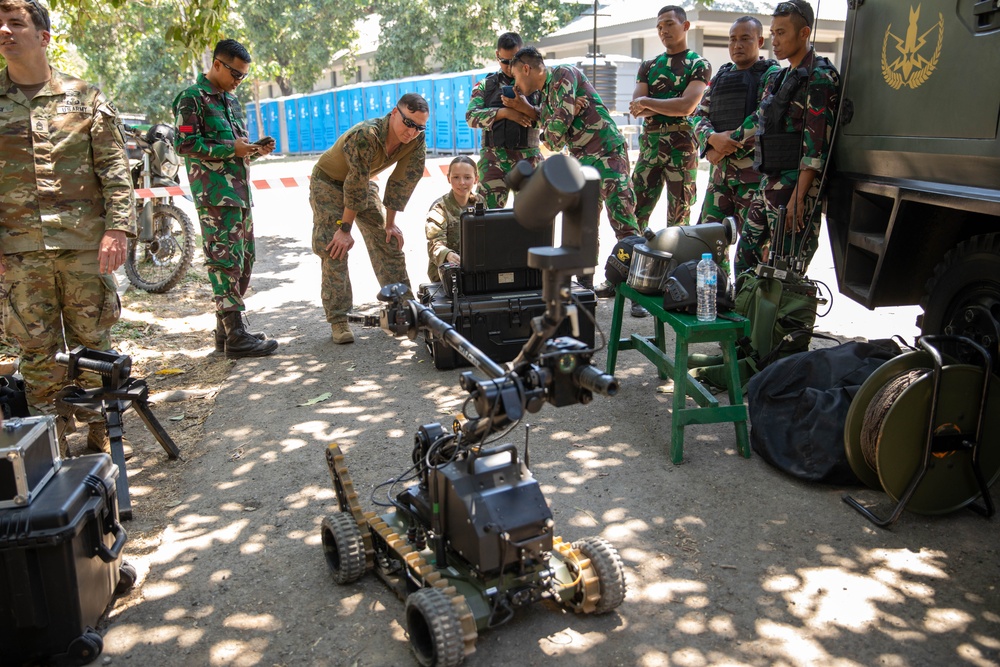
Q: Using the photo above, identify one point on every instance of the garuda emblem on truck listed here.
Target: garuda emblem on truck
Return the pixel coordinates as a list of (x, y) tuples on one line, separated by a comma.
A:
[(911, 67)]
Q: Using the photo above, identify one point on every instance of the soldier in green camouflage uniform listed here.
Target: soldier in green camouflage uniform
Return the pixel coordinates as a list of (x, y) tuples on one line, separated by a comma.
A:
[(733, 182), (444, 219), (573, 116), (66, 208), (667, 90), (509, 133), (342, 193), (793, 127), (212, 137)]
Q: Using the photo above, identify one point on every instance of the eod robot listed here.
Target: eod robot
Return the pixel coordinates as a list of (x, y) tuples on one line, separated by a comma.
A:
[(472, 539)]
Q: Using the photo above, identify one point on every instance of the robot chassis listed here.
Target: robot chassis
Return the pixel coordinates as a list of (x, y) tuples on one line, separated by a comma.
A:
[(473, 539)]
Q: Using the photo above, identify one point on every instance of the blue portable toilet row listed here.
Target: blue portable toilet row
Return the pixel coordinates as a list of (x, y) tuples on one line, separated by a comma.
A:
[(312, 123)]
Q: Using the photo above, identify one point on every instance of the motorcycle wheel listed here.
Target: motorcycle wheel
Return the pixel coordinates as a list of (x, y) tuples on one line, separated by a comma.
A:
[(158, 265)]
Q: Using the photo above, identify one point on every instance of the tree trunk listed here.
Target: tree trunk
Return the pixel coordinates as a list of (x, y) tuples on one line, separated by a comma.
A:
[(284, 84)]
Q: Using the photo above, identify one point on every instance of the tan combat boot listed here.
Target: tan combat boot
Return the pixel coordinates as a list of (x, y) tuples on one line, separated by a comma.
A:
[(99, 443), (341, 333)]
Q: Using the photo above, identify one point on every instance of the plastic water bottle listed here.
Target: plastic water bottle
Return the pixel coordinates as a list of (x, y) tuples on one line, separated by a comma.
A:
[(708, 285)]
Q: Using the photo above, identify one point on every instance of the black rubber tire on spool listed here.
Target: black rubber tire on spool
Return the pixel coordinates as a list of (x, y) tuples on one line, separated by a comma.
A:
[(606, 561), (344, 548), (86, 648), (126, 578), (434, 628), (966, 282)]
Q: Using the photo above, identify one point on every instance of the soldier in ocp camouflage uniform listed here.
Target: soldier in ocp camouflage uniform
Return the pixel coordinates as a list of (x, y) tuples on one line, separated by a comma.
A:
[(342, 193), (732, 95), (667, 90), (444, 219), (66, 208), (793, 127), (509, 132), (212, 137)]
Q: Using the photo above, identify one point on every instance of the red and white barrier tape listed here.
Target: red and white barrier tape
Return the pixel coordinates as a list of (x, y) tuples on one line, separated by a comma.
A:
[(256, 184)]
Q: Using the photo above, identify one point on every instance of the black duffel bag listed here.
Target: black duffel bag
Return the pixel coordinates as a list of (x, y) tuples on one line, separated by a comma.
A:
[(798, 406)]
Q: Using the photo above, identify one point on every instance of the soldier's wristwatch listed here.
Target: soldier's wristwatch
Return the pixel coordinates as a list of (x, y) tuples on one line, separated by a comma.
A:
[(345, 226)]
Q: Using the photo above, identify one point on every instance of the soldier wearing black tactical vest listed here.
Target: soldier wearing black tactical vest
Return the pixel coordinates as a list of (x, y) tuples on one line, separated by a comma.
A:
[(733, 94), (509, 125), (793, 126)]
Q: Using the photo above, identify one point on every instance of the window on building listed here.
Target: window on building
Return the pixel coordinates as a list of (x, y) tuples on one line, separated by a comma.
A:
[(638, 48)]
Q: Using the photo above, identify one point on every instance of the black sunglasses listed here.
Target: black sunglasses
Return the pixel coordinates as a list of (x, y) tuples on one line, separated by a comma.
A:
[(409, 123), (504, 61), (237, 75), (788, 8)]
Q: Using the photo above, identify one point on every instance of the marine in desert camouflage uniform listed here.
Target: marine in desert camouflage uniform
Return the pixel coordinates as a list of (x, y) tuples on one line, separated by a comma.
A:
[(732, 96), (573, 116), (668, 88), (343, 194), (66, 207), (509, 132), (212, 137), (793, 127)]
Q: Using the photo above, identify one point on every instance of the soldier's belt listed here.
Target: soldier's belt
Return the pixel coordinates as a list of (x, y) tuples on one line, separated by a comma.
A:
[(321, 175), (664, 128)]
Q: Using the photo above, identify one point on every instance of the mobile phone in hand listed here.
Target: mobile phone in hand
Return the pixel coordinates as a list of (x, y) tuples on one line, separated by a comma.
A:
[(264, 141), (507, 91)]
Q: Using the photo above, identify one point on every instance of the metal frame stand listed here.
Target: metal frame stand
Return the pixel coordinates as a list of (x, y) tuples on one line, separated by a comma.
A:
[(945, 442), (118, 393)]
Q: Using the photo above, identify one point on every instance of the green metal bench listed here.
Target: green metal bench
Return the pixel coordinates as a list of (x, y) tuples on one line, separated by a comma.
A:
[(688, 330)]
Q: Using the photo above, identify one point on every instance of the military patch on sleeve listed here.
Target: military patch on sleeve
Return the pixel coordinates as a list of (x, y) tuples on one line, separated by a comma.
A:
[(185, 129)]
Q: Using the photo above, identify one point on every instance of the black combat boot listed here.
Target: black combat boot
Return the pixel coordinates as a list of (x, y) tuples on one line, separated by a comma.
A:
[(220, 332), (240, 343)]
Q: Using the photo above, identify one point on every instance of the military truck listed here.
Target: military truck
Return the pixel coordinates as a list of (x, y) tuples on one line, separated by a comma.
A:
[(913, 204)]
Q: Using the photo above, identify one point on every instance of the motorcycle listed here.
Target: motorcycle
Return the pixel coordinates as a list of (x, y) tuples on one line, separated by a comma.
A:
[(159, 257)]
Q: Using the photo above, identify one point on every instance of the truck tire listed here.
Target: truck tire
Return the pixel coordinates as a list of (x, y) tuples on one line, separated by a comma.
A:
[(963, 296)]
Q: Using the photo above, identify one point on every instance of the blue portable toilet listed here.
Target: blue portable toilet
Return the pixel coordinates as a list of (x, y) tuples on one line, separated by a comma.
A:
[(318, 122), (291, 114), (342, 105), (272, 123), (405, 86), (424, 86), (477, 135), (252, 129), (328, 111), (465, 140), (357, 104), (373, 100), (305, 124), (444, 114), (387, 91)]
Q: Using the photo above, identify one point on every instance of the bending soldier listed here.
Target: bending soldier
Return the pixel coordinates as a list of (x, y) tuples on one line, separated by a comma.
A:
[(508, 124)]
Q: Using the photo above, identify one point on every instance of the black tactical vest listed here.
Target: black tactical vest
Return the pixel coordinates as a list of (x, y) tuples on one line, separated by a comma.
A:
[(779, 149), (734, 94), (506, 133)]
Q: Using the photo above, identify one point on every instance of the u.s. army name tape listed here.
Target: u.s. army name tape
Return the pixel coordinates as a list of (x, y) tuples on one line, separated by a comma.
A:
[(255, 184)]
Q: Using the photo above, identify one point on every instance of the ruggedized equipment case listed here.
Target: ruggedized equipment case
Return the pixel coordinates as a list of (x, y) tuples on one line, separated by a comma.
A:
[(60, 565), (29, 457), (497, 324)]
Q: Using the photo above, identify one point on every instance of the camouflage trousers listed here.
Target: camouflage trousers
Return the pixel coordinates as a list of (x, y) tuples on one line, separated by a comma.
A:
[(728, 195), (55, 300), (229, 253), (327, 201), (616, 191), (671, 158), (494, 163), (762, 221)]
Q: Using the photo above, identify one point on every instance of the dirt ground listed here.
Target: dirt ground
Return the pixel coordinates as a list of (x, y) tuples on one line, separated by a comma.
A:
[(728, 561)]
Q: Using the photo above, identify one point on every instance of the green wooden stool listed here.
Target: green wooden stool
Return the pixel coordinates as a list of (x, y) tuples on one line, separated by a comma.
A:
[(688, 330)]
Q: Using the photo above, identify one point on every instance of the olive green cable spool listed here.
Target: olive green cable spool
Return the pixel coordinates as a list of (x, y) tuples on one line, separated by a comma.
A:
[(878, 409)]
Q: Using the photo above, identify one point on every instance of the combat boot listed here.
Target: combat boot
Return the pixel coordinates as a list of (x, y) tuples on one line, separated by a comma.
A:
[(241, 344), (98, 441), (340, 333), (220, 332)]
